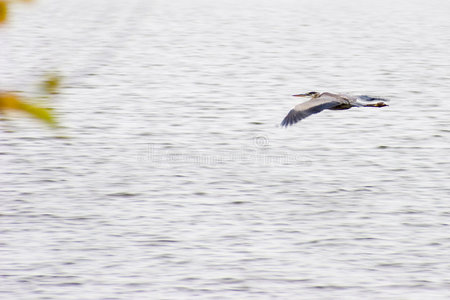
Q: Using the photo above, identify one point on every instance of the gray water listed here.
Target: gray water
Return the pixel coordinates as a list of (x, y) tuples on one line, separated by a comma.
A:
[(172, 179)]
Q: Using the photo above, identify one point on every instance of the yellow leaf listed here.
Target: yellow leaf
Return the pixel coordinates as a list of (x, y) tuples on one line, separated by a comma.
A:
[(12, 101), (51, 84), (3, 11), (40, 113), (9, 101)]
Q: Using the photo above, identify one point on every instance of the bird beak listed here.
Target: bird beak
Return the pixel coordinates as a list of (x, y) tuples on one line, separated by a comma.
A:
[(301, 95)]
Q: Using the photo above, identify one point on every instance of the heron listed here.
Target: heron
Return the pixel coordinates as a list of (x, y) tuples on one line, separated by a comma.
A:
[(321, 101)]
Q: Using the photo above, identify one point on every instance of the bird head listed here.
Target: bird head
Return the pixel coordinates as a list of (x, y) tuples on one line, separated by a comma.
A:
[(310, 94)]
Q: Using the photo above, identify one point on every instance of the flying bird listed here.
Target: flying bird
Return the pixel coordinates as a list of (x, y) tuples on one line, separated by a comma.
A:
[(321, 101)]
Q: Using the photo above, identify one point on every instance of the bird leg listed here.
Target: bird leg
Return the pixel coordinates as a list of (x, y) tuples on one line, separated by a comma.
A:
[(378, 104)]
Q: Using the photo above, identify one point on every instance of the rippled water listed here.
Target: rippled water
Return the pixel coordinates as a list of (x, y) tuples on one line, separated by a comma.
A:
[(172, 179)]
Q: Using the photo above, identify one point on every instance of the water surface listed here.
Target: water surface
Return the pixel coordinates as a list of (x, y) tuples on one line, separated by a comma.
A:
[(172, 179)]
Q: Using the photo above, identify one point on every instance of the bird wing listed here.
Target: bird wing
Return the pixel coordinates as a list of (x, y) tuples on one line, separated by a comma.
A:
[(305, 109)]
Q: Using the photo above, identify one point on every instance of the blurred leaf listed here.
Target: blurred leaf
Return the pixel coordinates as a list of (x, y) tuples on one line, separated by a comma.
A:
[(12, 101), (51, 84), (8, 101), (4, 8), (3, 11)]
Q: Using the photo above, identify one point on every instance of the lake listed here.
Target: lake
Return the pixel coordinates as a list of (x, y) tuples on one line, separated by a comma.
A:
[(171, 177)]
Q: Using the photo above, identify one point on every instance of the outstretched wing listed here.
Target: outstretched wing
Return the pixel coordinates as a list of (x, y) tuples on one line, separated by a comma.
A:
[(303, 110)]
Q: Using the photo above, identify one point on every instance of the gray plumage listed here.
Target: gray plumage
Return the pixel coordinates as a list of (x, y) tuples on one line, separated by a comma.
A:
[(321, 101)]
